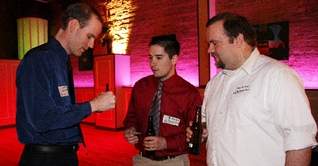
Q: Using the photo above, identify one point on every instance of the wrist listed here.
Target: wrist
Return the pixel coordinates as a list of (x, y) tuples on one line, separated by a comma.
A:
[(163, 143), (93, 106)]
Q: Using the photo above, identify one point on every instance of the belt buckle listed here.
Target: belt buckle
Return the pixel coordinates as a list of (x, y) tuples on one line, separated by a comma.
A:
[(157, 158), (75, 147)]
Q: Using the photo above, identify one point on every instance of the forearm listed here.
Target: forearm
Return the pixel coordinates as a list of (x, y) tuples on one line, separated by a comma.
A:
[(60, 117), (300, 157)]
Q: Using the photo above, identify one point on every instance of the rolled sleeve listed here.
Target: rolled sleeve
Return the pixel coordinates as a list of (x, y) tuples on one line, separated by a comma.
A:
[(292, 112), (300, 138)]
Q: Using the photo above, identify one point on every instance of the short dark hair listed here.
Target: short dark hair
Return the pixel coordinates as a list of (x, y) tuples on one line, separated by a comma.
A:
[(235, 24), (81, 12), (168, 42)]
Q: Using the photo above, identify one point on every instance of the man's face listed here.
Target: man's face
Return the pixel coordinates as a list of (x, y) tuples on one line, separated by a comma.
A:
[(83, 38), (219, 46), (161, 65)]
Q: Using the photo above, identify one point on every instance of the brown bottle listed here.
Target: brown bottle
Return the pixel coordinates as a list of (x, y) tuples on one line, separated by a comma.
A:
[(150, 132), (195, 141)]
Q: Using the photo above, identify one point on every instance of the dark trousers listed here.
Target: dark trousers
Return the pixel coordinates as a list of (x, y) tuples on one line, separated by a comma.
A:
[(48, 156), (314, 157)]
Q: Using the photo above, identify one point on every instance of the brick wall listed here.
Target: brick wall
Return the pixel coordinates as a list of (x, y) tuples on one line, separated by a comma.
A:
[(139, 20), (303, 29)]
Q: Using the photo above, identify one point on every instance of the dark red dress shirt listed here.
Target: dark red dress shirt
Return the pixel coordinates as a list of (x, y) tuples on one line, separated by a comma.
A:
[(179, 100)]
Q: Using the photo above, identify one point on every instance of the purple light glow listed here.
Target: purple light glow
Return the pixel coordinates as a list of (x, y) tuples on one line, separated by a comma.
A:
[(186, 71), (83, 79), (308, 73)]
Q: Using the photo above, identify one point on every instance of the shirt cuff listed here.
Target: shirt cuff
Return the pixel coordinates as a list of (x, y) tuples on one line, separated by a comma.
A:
[(85, 108), (299, 140)]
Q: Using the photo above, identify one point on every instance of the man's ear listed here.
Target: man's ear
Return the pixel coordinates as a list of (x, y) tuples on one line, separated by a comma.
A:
[(73, 25), (174, 59), (239, 40)]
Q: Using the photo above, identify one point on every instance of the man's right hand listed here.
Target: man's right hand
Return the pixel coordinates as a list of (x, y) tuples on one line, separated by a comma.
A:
[(130, 135), (104, 101), (189, 132)]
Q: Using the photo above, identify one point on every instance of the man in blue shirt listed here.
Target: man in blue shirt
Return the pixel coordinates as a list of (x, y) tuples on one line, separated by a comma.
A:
[(47, 118)]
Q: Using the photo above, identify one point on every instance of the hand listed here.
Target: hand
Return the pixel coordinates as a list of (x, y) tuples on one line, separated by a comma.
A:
[(104, 101), (152, 143), (131, 135), (204, 132), (189, 131)]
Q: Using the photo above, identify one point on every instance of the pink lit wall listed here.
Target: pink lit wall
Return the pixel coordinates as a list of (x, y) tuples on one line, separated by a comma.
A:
[(81, 78), (180, 17), (303, 25), (154, 18)]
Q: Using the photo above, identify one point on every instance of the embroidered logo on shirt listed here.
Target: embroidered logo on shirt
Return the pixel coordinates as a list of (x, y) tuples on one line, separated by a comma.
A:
[(63, 90), (171, 120), (241, 89)]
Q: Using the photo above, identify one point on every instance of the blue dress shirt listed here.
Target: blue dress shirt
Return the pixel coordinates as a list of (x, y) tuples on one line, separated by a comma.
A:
[(45, 113)]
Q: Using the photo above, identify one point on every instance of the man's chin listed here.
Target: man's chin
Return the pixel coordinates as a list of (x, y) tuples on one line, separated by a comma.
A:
[(157, 75), (220, 65)]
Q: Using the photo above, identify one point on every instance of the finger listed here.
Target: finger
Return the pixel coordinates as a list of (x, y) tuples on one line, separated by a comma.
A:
[(150, 138), (136, 133), (190, 123), (189, 132), (133, 140), (147, 143), (205, 133), (149, 149), (132, 137)]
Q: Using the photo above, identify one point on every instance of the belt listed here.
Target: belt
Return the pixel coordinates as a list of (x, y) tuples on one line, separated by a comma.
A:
[(158, 158), (51, 148)]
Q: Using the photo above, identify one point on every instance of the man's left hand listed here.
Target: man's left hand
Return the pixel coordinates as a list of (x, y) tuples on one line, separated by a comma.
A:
[(152, 143)]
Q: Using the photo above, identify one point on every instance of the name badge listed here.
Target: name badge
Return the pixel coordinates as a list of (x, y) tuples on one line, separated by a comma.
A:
[(63, 90), (171, 120)]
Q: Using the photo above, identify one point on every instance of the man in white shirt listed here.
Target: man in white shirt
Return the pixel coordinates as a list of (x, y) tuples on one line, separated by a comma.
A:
[(255, 109)]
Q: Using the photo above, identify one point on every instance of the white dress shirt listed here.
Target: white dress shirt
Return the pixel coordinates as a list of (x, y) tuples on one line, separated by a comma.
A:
[(255, 114)]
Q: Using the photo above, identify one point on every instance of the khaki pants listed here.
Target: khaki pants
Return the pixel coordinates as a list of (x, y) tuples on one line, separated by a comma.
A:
[(181, 160)]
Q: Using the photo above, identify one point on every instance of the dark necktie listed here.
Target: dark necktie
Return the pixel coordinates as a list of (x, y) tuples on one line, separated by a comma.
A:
[(70, 81), (155, 108), (71, 91)]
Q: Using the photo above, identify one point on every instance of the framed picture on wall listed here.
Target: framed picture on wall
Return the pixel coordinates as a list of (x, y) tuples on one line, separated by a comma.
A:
[(273, 39)]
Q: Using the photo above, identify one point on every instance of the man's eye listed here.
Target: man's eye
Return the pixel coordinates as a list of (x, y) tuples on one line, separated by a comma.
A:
[(213, 42), (90, 37)]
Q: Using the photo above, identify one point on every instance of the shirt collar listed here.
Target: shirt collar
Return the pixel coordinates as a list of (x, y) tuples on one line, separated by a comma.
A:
[(168, 82), (56, 46), (249, 65)]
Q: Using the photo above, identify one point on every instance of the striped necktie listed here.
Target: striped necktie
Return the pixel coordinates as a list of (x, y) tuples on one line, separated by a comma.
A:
[(155, 108)]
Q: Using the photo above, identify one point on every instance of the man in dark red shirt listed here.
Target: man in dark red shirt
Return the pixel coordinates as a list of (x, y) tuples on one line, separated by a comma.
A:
[(179, 100)]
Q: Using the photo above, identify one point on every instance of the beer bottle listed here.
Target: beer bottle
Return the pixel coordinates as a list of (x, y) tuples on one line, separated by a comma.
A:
[(195, 141), (150, 132)]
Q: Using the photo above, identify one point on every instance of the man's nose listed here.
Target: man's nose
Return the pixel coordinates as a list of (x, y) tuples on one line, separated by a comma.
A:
[(91, 44), (211, 49), (152, 62)]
